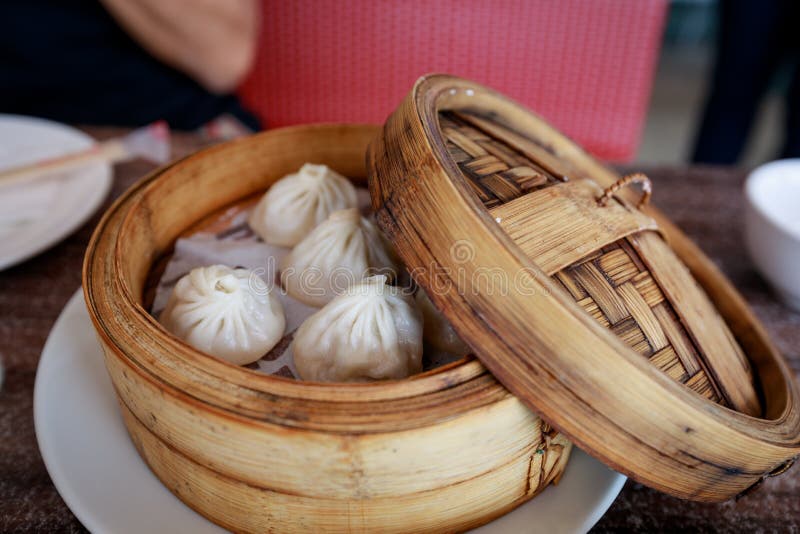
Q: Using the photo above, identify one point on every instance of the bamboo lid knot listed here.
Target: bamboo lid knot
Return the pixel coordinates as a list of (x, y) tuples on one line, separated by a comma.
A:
[(637, 177)]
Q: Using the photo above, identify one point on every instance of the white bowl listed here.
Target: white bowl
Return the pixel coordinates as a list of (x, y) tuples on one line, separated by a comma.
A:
[(772, 226)]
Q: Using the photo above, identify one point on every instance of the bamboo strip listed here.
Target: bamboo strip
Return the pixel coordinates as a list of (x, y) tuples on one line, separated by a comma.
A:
[(648, 289), (643, 316), (509, 157), (617, 266), (677, 338), (485, 165), (545, 156), (631, 334), (668, 361), (726, 361), (558, 225), (591, 307), (700, 383), (465, 143), (571, 285), (601, 291), (503, 189)]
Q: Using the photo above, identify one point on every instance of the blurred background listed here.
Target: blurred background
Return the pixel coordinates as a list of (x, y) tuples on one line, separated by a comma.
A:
[(628, 79), (681, 84)]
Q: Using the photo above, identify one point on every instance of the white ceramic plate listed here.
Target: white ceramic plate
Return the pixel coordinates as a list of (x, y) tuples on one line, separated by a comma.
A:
[(62, 203), (110, 489)]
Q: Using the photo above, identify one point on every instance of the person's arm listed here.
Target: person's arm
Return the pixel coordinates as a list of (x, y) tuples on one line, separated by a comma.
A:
[(213, 41)]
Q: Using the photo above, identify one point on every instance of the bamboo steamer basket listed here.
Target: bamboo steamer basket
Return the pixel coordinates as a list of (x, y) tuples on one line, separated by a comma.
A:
[(660, 371), (618, 331), (253, 452)]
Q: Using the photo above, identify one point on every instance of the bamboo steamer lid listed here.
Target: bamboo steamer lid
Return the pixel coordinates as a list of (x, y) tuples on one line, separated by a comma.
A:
[(585, 302)]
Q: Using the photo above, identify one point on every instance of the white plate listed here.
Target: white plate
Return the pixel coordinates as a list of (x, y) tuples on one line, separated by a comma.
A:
[(68, 200), (110, 489)]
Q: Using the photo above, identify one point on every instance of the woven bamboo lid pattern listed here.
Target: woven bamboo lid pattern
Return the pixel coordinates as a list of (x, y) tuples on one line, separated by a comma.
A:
[(572, 296)]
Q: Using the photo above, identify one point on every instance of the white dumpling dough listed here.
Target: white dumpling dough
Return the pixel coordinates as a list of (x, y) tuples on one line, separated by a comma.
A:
[(298, 202), (225, 312), (438, 332), (371, 332), (337, 254)]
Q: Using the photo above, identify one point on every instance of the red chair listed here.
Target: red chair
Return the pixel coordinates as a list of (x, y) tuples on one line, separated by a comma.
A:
[(586, 66)]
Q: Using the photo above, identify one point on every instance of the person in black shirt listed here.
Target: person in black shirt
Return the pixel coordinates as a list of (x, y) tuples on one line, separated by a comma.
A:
[(126, 62)]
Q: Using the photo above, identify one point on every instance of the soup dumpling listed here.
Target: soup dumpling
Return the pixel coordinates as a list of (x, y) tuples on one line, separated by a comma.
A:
[(338, 253), (371, 332), (298, 202), (225, 312)]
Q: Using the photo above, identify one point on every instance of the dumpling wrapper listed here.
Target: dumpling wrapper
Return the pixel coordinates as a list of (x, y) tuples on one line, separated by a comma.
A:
[(371, 332), (228, 313), (298, 202), (337, 254)]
